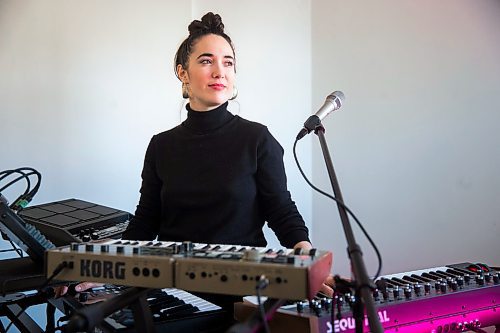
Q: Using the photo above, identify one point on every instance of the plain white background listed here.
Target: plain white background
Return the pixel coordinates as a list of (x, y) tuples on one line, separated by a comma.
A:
[(85, 84)]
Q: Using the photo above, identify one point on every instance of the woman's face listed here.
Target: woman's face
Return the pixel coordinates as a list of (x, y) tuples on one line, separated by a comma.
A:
[(210, 74)]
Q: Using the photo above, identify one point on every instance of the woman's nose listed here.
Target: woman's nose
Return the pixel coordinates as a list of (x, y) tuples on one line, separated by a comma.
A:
[(218, 71)]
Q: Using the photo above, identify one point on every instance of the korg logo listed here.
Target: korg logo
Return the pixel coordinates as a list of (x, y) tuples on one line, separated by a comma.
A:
[(102, 269)]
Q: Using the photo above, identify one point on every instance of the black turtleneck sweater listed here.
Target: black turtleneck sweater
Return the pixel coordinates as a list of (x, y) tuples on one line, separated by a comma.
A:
[(216, 178)]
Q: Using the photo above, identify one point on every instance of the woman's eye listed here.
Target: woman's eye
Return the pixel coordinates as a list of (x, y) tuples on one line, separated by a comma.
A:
[(229, 63), (205, 61)]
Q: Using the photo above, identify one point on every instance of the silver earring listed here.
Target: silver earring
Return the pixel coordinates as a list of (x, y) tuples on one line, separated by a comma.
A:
[(235, 93), (185, 92)]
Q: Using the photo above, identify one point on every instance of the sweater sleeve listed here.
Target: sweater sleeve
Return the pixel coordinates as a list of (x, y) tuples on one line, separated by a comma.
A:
[(279, 210), (146, 221)]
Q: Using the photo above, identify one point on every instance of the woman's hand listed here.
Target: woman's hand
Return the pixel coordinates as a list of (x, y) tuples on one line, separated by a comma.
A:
[(82, 286), (329, 283), (327, 287), (304, 245)]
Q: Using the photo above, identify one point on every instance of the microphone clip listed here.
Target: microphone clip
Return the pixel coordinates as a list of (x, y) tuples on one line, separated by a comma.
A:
[(312, 123)]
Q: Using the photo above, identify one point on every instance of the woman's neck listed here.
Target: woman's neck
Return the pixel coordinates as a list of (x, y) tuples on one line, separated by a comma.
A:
[(203, 108), (206, 121)]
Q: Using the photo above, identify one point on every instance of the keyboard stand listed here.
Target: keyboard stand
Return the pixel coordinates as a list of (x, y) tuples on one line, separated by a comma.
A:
[(18, 275), (10, 308)]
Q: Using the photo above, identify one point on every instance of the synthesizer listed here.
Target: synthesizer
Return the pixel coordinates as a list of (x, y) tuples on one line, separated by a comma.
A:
[(454, 298), (73, 220), (173, 310), (210, 268)]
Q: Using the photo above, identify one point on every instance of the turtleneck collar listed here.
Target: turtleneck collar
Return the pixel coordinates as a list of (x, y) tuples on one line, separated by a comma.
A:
[(207, 121)]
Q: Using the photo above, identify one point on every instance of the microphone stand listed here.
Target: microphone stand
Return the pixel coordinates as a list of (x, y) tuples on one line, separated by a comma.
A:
[(362, 282)]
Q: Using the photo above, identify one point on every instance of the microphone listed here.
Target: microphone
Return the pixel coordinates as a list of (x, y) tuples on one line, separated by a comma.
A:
[(333, 102)]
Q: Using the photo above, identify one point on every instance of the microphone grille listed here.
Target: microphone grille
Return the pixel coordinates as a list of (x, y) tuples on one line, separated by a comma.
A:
[(337, 98)]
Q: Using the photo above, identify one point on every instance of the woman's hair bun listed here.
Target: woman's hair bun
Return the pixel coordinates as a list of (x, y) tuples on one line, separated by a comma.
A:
[(210, 23)]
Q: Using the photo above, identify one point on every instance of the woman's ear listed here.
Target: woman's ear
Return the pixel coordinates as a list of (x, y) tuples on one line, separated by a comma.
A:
[(182, 74)]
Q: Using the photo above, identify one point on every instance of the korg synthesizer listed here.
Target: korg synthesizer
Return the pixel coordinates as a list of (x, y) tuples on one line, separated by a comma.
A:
[(221, 269)]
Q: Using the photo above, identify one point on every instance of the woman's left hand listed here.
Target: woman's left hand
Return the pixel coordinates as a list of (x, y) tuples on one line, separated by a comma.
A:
[(327, 287), (328, 284)]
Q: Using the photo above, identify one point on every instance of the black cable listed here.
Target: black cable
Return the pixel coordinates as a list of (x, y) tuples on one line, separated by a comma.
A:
[(24, 199), (379, 257), (37, 185), (56, 271), (23, 176), (262, 283), (7, 173), (21, 202)]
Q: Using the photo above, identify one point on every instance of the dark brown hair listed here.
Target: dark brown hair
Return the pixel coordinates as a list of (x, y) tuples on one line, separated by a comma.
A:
[(210, 24)]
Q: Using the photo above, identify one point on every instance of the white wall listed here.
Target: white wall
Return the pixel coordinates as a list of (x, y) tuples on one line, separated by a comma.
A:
[(84, 86), (416, 144)]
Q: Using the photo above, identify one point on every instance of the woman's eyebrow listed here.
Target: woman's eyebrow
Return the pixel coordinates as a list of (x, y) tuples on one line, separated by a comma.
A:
[(211, 55)]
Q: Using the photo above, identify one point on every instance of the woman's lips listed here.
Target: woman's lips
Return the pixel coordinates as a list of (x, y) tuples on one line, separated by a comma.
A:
[(217, 86)]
